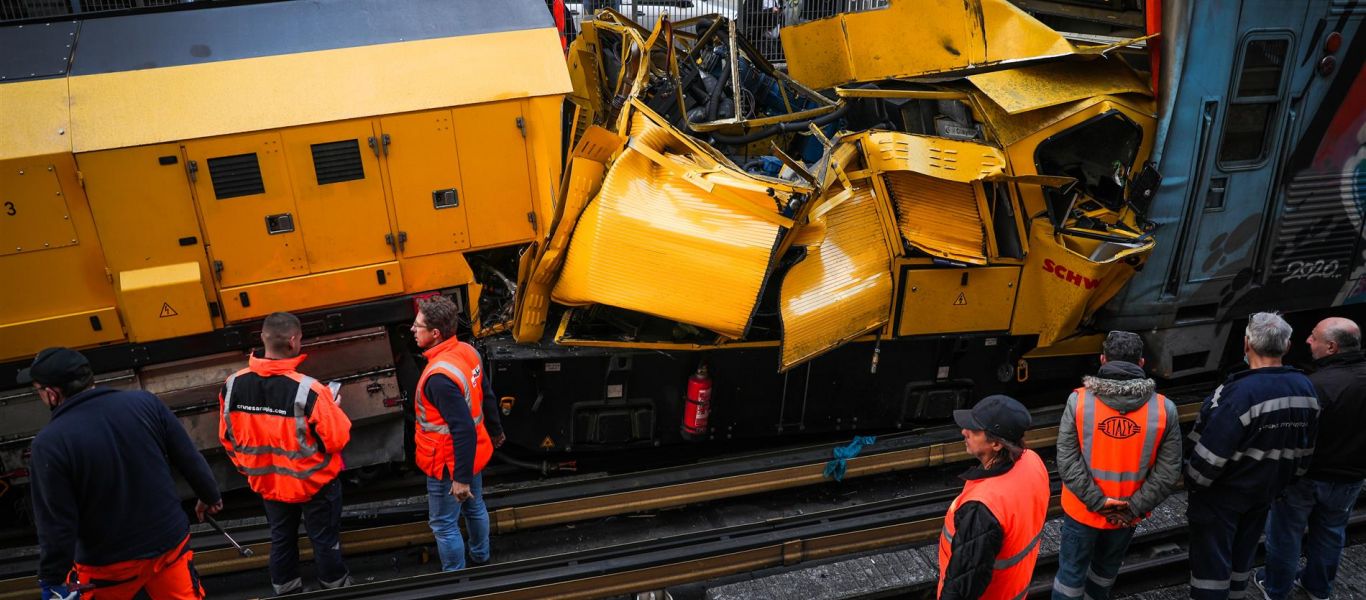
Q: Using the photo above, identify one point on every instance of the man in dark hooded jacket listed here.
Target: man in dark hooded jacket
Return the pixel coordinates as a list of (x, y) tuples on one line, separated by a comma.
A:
[(1119, 454), (1321, 502)]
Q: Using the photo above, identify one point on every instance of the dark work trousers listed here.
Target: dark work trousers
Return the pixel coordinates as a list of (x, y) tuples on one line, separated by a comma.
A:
[(1224, 530), (322, 520)]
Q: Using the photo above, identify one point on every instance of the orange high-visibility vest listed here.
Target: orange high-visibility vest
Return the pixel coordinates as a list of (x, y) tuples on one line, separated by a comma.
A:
[(435, 453), (1018, 499), (282, 429), (1119, 449)]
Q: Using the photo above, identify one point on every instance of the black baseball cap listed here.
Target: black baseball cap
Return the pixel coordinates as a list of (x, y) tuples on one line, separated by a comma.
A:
[(54, 366), (999, 415)]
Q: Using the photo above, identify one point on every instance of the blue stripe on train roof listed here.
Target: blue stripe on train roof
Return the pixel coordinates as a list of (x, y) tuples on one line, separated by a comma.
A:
[(187, 37)]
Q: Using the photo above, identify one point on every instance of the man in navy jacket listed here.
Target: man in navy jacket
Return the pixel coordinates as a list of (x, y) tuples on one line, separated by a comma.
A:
[(1255, 435), (103, 497)]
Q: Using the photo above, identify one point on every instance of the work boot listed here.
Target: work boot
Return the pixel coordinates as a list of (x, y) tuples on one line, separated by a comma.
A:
[(345, 581), (293, 586)]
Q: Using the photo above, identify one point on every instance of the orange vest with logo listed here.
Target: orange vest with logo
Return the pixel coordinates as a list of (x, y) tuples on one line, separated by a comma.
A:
[(1119, 449), (282, 429), (1018, 499), (435, 453)]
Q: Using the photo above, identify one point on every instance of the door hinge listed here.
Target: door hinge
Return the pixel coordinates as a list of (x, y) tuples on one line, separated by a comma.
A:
[(80, 178), (521, 125), (531, 218), (374, 145), (398, 244), (385, 142), (192, 167), (218, 270)]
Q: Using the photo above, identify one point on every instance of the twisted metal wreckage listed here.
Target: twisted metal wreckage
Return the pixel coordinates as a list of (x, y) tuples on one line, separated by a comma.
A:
[(988, 176)]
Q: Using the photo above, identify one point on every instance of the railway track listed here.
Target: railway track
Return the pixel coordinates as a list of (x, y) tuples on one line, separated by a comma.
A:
[(540, 507)]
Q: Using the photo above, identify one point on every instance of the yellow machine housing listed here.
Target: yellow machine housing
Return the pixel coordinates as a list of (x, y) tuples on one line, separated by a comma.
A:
[(269, 182)]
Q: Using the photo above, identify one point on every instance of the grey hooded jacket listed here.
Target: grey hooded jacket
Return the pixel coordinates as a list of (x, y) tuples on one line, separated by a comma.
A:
[(1124, 387)]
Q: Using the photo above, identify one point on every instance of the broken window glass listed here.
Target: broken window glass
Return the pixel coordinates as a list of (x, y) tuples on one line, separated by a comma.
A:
[(1098, 153)]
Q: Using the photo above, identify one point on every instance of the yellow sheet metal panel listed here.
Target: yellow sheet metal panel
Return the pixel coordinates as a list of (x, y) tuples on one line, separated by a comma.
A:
[(34, 118), (33, 212), (951, 160), (942, 218), (493, 167), (545, 148), (656, 240), (911, 38), (339, 194), (249, 215), (585, 178), (423, 165), (943, 300), (312, 291), (435, 272), (143, 209), (1061, 285), (1012, 34), (216, 98), (843, 287), (23, 339), (54, 281), (163, 302), (1049, 84)]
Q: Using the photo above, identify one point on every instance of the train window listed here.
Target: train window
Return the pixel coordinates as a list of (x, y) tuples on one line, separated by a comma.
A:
[(237, 175), (335, 162), (1098, 152), (1256, 99)]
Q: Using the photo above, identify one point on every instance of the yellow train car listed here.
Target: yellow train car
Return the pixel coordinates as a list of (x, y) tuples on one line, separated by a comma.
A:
[(170, 177)]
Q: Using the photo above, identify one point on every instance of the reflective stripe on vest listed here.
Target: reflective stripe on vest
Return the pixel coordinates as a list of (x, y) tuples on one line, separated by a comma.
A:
[(425, 422), (306, 448), (1004, 563), (1087, 403)]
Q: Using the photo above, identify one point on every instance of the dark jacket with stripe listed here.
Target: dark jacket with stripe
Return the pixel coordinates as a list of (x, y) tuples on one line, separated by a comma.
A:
[(102, 485), (1254, 435), (1340, 452)]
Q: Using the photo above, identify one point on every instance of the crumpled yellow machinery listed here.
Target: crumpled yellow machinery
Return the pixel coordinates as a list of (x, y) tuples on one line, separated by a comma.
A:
[(914, 38), (890, 234)]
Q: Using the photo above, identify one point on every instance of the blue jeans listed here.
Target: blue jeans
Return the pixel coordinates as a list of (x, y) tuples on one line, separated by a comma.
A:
[(444, 514), (1323, 508), (1089, 560)]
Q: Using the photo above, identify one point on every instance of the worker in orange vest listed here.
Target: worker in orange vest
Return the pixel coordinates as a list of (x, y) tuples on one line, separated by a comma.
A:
[(991, 533), (452, 445), (285, 432), (1119, 454)]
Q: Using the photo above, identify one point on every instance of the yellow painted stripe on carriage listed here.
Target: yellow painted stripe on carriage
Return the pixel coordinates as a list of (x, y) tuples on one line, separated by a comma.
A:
[(131, 108), (34, 119)]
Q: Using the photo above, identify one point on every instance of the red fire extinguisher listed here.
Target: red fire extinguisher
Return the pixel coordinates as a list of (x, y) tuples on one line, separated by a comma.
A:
[(698, 406)]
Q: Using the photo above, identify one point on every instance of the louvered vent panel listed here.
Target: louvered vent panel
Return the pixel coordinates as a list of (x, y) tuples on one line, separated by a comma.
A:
[(335, 162), (235, 176), (1310, 227)]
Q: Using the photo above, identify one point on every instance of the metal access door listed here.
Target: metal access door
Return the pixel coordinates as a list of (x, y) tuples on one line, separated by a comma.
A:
[(242, 186), (1240, 131)]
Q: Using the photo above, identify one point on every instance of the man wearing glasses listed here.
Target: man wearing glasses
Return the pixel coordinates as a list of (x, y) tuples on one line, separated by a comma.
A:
[(452, 444)]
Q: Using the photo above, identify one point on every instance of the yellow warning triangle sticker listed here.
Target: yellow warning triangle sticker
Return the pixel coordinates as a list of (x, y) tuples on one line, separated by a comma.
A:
[(167, 311), (547, 443), (962, 299)]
